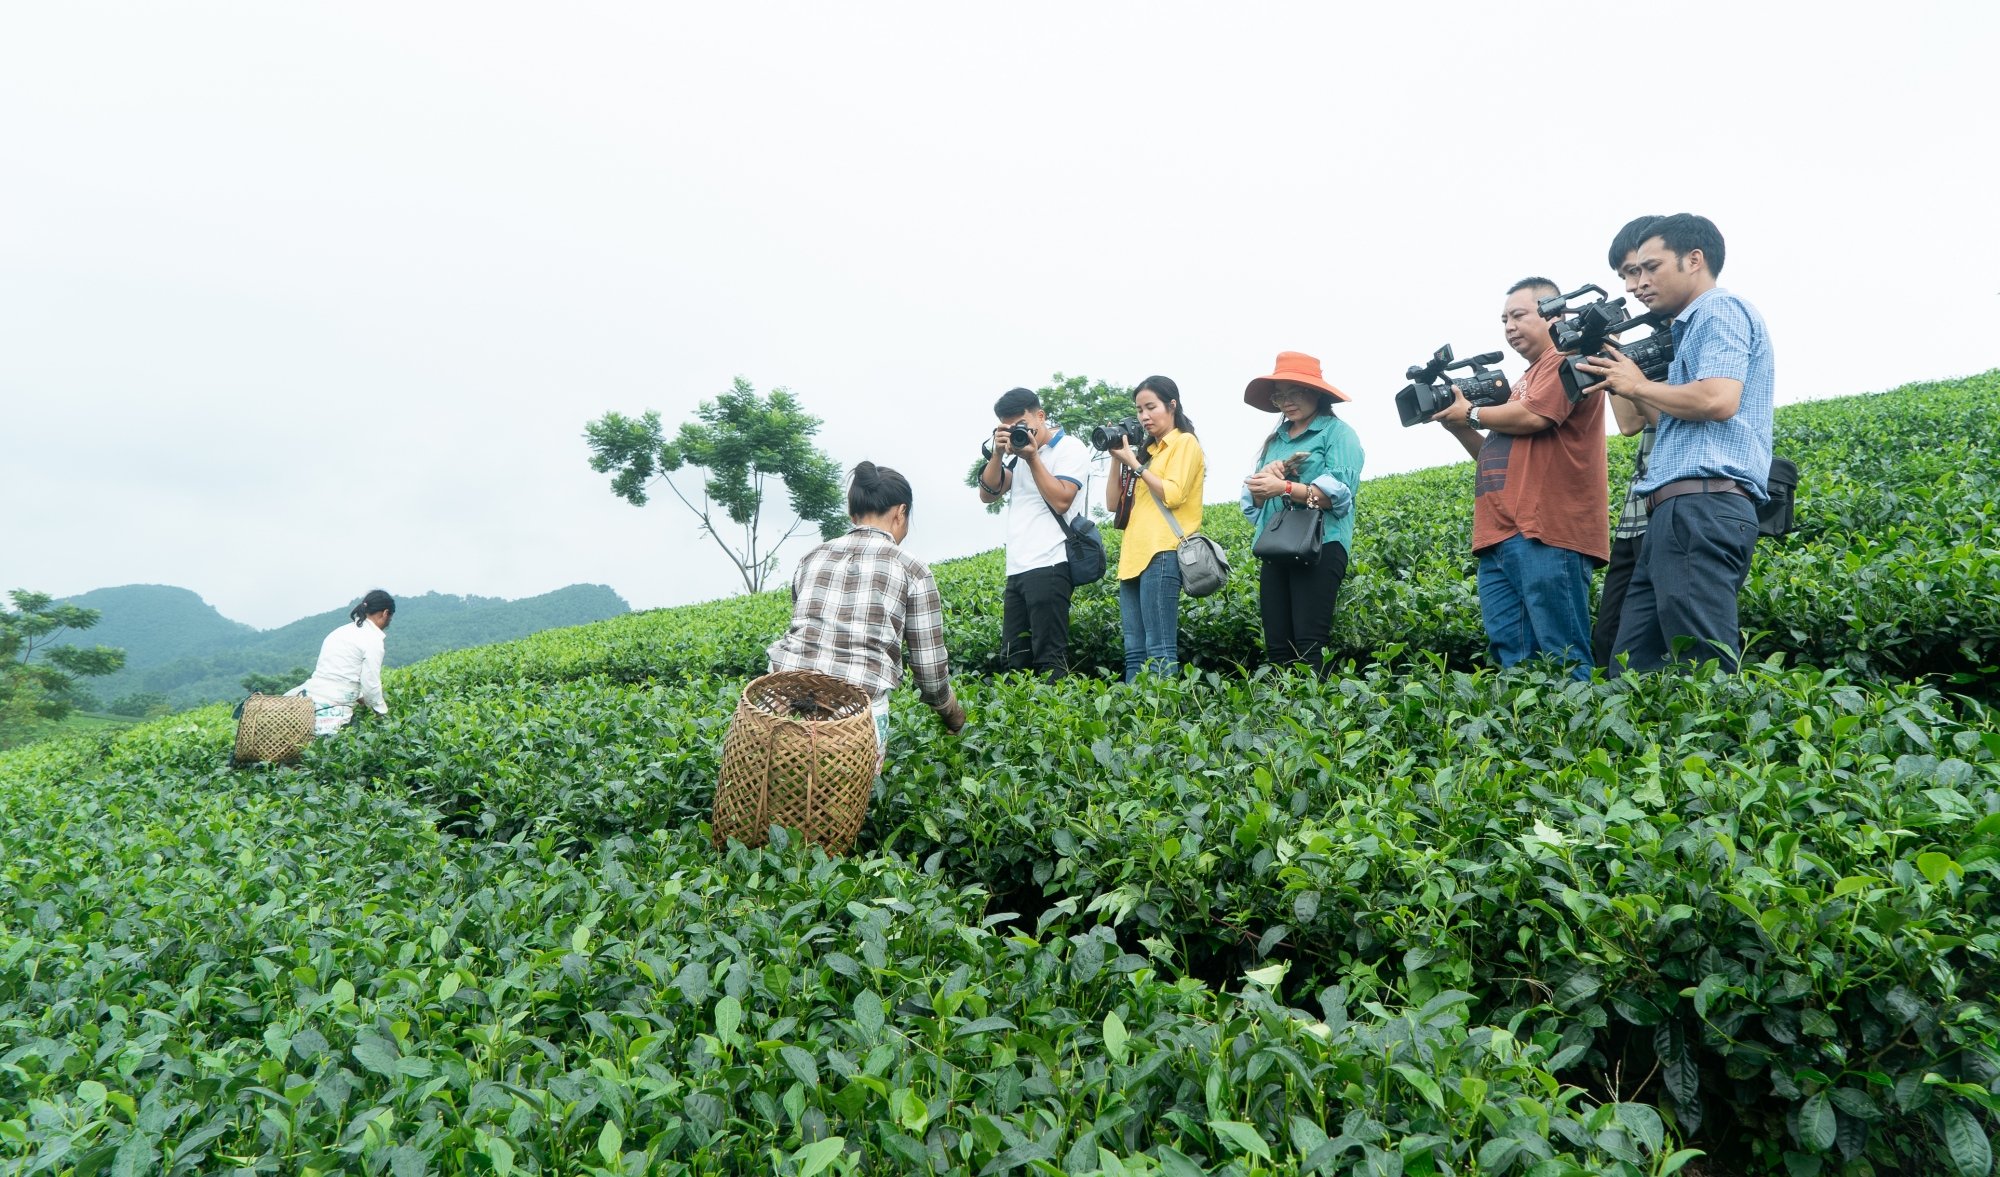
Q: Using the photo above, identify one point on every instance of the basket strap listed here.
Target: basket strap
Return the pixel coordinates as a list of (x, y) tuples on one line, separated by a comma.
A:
[(764, 786), (812, 773)]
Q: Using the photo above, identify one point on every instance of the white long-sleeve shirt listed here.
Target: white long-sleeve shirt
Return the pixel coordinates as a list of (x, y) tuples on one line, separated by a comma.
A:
[(349, 669)]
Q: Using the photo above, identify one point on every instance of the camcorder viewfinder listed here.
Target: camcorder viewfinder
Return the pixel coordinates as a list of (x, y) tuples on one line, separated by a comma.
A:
[(1594, 324), (1430, 389)]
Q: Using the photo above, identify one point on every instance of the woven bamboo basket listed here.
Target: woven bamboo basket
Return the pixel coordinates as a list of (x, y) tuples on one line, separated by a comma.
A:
[(273, 729), (800, 753)]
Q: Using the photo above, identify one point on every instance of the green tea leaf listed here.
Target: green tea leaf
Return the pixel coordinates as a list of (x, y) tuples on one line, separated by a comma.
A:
[(908, 1108), (375, 1053), (987, 1025), (1115, 1037), (1965, 1141), (1935, 866), (815, 1157), (1425, 1085), (729, 1021), (1816, 1123), (1243, 1137), (801, 1064), (868, 1017)]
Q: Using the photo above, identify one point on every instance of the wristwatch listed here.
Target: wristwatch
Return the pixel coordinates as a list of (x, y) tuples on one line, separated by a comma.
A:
[(1472, 416)]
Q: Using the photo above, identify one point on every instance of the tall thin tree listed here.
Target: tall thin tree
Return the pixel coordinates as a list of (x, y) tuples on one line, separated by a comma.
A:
[(748, 446)]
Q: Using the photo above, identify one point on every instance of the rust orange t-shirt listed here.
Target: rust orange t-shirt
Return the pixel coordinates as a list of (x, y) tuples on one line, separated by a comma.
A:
[(1549, 486)]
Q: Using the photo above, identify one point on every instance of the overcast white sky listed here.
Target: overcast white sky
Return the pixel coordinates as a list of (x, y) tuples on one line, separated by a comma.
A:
[(298, 300)]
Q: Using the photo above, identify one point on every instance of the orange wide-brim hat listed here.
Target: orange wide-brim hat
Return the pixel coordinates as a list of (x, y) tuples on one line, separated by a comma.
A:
[(1294, 367)]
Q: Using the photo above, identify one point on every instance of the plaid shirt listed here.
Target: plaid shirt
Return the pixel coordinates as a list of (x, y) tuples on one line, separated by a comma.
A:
[(855, 601), (1632, 520)]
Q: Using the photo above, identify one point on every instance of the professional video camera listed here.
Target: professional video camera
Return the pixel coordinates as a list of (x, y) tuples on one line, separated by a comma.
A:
[(1427, 394), (1595, 324), (1106, 438)]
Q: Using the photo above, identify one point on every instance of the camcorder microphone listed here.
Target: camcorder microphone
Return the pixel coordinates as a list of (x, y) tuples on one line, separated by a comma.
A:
[(1427, 394), (1592, 326)]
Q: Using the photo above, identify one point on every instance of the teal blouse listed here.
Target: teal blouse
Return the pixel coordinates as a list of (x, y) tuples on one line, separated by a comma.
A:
[(1332, 463)]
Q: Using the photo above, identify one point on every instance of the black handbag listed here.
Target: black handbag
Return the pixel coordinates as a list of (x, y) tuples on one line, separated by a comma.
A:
[(1291, 538), (1083, 547)]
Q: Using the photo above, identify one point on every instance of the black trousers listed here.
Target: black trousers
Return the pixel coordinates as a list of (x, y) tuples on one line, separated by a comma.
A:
[(1683, 593), (1611, 602), (1297, 606), (1034, 621)]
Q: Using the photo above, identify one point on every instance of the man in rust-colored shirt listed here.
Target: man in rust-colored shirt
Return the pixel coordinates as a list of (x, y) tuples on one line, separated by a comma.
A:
[(1541, 498)]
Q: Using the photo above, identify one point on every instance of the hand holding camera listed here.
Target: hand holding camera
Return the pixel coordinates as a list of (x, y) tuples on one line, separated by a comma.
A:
[(1013, 440), (1121, 439), (1620, 373), (1432, 388), (1588, 337)]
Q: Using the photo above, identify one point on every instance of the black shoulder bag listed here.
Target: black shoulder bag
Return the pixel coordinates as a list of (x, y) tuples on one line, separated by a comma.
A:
[(1082, 544)]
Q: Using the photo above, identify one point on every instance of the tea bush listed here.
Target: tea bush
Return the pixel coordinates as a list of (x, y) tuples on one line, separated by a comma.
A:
[(1778, 887), (1414, 918), (262, 972)]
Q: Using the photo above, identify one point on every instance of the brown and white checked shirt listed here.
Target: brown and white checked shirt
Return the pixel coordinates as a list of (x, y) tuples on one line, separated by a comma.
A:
[(856, 601)]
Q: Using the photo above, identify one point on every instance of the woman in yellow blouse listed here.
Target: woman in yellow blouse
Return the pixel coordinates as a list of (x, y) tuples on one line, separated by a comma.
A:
[(1167, 479)]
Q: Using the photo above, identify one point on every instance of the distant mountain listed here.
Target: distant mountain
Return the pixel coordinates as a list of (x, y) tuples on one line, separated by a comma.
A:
[(178, 647)]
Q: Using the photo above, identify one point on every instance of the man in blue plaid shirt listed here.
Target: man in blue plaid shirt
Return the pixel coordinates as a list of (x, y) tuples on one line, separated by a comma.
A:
[(1711, 456)]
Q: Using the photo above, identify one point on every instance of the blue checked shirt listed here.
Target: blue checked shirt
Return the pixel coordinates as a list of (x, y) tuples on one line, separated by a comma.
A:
[(1718, 335)]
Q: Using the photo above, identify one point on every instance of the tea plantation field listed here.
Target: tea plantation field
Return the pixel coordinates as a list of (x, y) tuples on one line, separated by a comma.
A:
[(1418, 918)]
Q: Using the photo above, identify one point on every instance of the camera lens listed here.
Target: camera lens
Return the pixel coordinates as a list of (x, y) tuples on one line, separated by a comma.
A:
[(1020, 437)]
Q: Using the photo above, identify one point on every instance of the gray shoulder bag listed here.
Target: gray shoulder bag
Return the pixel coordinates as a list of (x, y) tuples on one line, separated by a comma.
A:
[(1204, 566)]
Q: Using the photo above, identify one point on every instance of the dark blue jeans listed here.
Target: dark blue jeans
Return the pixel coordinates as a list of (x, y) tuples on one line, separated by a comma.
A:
[(1535, 599), (1693, 563), (1149, 607)]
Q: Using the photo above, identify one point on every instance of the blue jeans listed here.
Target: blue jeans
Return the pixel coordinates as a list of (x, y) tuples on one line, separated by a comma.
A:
[(1149, 606), (1535, 599)]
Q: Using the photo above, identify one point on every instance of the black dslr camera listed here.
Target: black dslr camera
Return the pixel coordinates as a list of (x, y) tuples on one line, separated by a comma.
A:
[(1106, 438), (1019, 438), (1596, 323), (1426, 394)]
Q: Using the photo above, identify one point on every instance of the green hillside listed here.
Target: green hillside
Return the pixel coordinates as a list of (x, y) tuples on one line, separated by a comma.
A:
[(179, 648), (1420, 917)]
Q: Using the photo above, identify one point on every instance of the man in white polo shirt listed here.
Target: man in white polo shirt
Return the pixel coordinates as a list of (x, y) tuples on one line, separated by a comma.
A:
[(1038, 480)]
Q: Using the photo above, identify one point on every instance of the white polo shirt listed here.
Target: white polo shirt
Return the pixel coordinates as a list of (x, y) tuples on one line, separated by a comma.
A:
[(1034, 538)]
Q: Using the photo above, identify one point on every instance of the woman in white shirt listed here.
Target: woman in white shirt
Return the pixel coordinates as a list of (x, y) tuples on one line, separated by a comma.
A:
[(350, 666)]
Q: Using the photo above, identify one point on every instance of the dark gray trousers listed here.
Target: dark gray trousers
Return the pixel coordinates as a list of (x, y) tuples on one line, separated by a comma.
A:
[(1692, 565), (1611, 601)]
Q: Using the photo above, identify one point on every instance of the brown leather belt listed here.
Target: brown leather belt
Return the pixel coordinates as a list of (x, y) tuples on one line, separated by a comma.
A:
[(1693, 486)]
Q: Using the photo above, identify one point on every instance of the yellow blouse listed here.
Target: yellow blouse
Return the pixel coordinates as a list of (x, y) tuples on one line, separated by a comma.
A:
[(1176, 459)]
